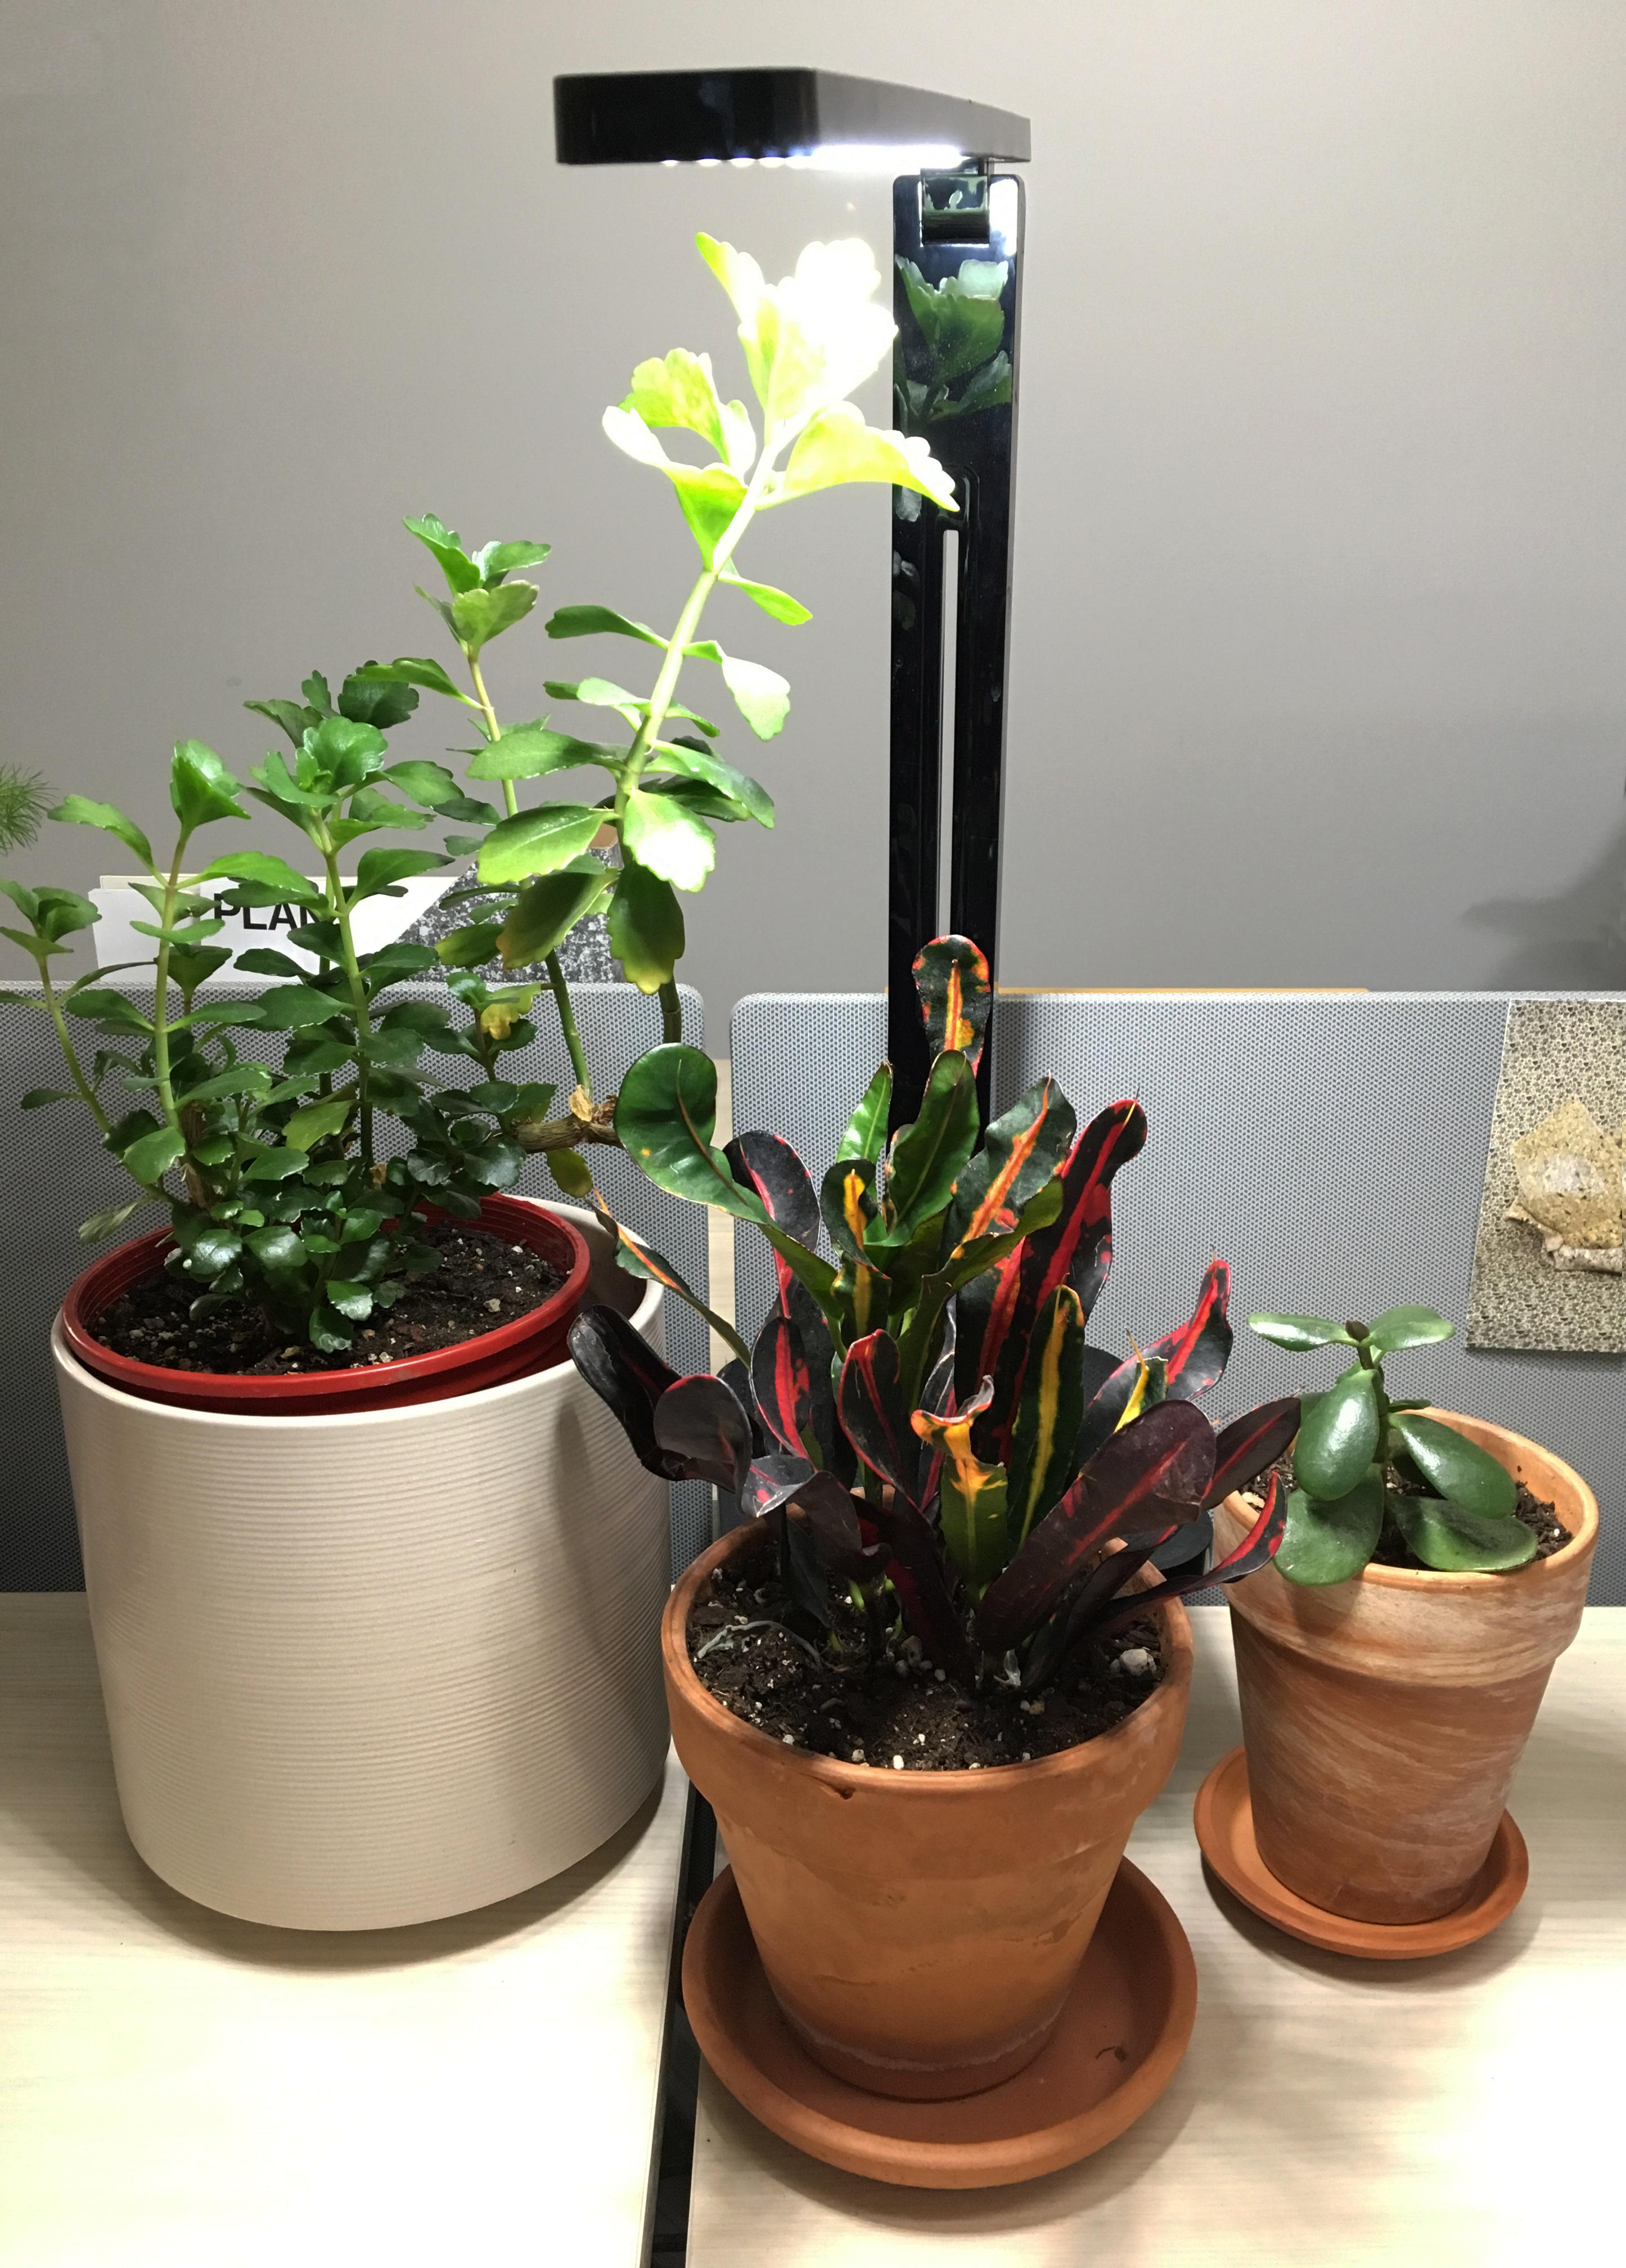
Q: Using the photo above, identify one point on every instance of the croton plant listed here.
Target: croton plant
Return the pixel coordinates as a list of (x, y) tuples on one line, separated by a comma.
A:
[(923, 1423), (283, 1184)]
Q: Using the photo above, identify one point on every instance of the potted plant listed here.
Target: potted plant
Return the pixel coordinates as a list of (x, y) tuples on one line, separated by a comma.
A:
[(919, 1685), (373, 1583), (1392, 1659)]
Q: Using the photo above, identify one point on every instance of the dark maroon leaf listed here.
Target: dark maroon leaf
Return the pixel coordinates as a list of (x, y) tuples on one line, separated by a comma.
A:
[(1249, 1444), (1165, 1457), (782, 1382), (916, 1569), (1111, 1399), (826, 1510), (952, 978), (770, 1482), (627, 1375), (700, 1423), (1054, 1640), (763, 1162), (871, 1405), (1197, 1352), (737, 1378), (1256, 1549)]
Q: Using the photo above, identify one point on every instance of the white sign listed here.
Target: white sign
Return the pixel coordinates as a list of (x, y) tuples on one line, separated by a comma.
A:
[(375, 922)]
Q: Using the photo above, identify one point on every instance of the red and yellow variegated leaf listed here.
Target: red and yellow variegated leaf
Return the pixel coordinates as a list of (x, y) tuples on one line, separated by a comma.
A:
[(1197, 1353), (870, 1403), (782, 1384), (863, 1294), (1250, 1444), (699, 1421), (956, 995), (1168, 1456), (971, 1496), (1045, 1437), (846, 1203), (1256, 1549), (771, 1167), (628, 1376), (916, 1570), (1021, 1151)]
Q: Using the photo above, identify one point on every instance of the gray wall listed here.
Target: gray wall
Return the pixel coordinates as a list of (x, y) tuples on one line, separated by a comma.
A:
[(1319, 669)]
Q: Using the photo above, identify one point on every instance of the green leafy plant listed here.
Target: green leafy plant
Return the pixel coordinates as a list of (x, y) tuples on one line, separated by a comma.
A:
[(808, 341), (936, 1446), (1364, 1463), (22, 798)]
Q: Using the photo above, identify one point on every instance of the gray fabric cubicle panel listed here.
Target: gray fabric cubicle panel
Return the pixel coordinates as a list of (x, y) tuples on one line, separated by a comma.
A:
[(1330, 1146), (57, 1175)]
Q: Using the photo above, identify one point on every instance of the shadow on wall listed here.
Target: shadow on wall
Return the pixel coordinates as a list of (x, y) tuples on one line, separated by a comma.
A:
[(1573, 940)]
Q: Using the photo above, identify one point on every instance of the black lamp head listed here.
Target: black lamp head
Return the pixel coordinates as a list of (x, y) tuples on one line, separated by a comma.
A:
[(789, 117)]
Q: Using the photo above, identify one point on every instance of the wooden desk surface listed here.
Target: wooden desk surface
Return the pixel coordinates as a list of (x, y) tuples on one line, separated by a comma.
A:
[(1458, 2113), (180, 2090)]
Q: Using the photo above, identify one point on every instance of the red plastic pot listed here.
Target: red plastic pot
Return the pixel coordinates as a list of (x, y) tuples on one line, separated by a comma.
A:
[(530, 1342)]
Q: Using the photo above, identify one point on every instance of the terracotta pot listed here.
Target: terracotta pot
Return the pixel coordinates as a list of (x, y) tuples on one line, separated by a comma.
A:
[(369, 1668), (1384, 1717), (920, 1930), (531, 1342)]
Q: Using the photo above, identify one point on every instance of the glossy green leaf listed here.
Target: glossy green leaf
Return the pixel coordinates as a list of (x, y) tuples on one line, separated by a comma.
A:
[(926, 1158), (865, 1133), (681, 391), (1458, 1541), (377, 871), (779, 604), (104, 1224), (432, 533), (1455, 1467), (478, 617), (151, 1157), (665, 1116), (265, 960), (1408, 1327), (470, 947), (1338, 1437), (316, 1120), (538, 842), (838, 446), (1297, 1333), (531, 751), (762, 695), (425, 783), (645, 926), (593, 622), (266, 872), (353, 1300), (84, 810), (572, 1173), (201, 789), (1331, 1541), (289, 1006), (496, 561), (366, 701), (548, 910), (327, 1334), (416, 669), (662, 836), (694, 761)]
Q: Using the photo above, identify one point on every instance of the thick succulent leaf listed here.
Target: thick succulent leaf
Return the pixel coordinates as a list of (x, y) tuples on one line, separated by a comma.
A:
[(874, 1416), (665, 837), (1256, 1549), (1195, 1355), (534, 751), (1045, 1437), (928, 1157), (86, 812), (665, 1116), (782, 1383), (838, 445), (478, 617), (1248, 1444), (538, 842), (956, 996), (761, 694), (865, 1132), (1408, 1327), (779, 604), (1337, 1436), (701, 1423), (1021, 1151), (747, 797), (1331, 1542), (647, 927), (548, 909), (411, 669), (1299, 1333), (201, 789), (1453, 1465), (1164, 1458), (628, 1376), (1458, 1541)]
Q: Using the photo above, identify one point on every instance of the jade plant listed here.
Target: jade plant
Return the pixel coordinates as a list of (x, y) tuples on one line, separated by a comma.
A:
[(936, 1448), (1365, 1466), (284, 1185)]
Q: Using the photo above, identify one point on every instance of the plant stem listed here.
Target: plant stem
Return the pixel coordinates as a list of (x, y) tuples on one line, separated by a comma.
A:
[(82, 1086), (567, 1023), (671, 1012), (360, 1006), (161, 1080)]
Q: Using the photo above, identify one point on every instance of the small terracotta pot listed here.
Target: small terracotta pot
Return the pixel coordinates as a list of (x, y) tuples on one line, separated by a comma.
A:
[(532, 1342), (1384, 1717), (920, 1930)]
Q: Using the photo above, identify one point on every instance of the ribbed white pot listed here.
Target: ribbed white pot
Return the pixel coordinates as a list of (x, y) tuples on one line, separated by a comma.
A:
[(362, 1671)]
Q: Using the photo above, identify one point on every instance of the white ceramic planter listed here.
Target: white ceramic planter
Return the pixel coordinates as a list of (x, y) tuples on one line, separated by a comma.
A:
[(369, 1670)]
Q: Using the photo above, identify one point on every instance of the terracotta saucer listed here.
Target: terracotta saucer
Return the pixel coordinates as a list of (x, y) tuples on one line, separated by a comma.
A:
[(1121, 2036), (1223, 1819)]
